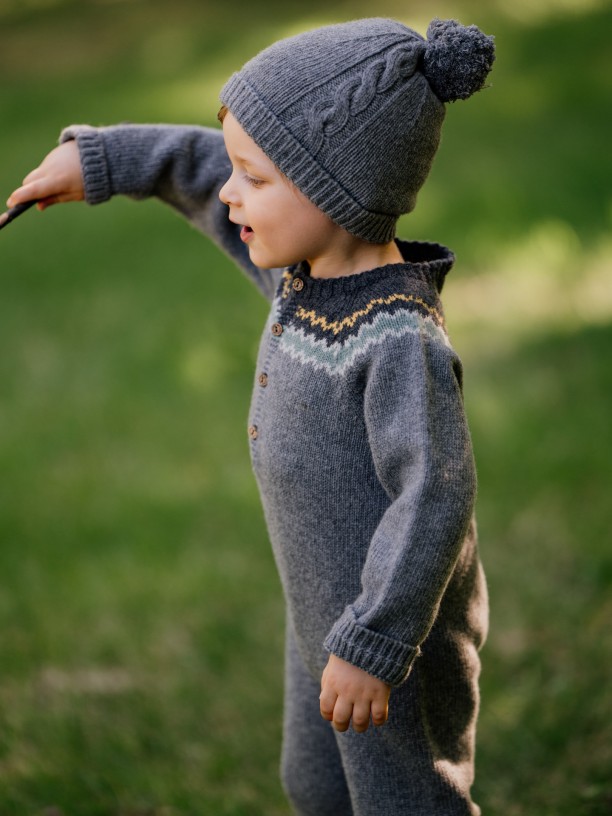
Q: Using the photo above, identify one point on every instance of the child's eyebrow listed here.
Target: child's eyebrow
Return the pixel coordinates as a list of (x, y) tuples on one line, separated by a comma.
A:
[(247, 161)]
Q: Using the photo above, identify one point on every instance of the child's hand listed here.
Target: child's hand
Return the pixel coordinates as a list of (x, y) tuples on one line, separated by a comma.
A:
[(59, 178), (348, 692)]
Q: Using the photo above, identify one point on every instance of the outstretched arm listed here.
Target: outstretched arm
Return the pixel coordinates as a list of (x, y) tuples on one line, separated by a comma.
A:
[(184, 166)]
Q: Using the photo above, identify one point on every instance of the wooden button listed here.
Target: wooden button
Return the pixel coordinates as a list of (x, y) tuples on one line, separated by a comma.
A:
[(277, 329), (298, 284), (263, 379), (253, 433)]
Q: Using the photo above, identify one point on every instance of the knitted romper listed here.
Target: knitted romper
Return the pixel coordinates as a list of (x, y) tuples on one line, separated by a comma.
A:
[(363, 458)]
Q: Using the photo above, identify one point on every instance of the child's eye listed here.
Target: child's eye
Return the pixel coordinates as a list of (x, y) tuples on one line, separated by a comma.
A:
[(254, 182)]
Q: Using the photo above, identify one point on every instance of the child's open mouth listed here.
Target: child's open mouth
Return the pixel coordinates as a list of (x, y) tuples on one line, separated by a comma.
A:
[(245, 233)]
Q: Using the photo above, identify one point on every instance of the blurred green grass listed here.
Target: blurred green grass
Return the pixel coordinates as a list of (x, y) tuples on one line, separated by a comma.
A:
[(140, 611)]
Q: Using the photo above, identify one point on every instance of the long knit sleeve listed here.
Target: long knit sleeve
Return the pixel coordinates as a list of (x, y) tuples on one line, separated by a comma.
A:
[(422, 453), (183, 166)]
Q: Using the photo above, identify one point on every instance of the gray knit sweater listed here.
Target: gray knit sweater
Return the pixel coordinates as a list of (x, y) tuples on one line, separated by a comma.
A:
[(357, 430)]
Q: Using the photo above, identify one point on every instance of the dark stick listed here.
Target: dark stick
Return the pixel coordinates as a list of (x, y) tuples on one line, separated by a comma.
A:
[(11, 214)]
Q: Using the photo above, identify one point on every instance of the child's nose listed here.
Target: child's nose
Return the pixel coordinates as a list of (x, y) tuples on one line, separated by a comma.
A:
[(223, 195), (227, 193)]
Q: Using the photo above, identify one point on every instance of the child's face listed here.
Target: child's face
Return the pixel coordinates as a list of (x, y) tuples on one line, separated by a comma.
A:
[(280, 225)]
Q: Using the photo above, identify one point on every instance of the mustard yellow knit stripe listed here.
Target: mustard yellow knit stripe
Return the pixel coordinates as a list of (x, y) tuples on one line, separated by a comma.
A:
[(286, 279), (349, 321)]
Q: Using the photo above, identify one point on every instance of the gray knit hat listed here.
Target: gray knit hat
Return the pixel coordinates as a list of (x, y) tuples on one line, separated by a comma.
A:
[(352, 113)]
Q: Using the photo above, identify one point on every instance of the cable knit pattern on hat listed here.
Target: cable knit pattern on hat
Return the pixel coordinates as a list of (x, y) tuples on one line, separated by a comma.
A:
[(354, 96)]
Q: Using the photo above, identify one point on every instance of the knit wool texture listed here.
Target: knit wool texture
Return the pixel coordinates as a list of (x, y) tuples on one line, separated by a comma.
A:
[(352, 113), (363, 458)]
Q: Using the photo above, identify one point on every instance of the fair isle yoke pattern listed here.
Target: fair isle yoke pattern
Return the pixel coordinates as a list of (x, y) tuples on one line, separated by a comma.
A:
[(331, 340)]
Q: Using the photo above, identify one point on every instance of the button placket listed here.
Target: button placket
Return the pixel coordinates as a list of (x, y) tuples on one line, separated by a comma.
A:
[(283, 316), (288, 304)]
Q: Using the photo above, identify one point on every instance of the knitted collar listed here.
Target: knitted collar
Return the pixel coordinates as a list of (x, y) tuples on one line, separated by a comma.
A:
[(429, 262)]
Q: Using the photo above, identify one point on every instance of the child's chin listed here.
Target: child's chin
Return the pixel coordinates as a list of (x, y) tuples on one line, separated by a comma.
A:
[(265, 260)]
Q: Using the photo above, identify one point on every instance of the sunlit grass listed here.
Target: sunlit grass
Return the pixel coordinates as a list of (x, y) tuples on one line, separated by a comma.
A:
[(549, 281)]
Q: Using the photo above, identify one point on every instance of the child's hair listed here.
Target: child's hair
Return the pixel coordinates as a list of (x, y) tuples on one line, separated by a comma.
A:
[(352, 113), (223, 111)]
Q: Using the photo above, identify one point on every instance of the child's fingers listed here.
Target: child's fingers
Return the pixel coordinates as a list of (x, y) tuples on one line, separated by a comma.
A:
[(44, 191), (30, 188), (27, 192), (327, 701), (33, 175), (361, 717), (47, 202), (343, 711), (57, 199), (335, 710), (380, 712)]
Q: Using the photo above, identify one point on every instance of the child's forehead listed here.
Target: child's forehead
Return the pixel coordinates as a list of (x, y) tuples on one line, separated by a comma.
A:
[(242, 148), (240, 144)]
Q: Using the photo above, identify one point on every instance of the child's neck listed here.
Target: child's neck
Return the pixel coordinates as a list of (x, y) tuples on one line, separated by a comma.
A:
[(352, 256)]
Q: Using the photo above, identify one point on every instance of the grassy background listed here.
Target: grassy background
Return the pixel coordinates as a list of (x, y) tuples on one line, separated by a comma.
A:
[(140, 611)]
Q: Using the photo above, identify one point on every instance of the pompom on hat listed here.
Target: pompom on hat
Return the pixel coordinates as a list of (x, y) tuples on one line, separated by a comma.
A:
[(352, 113)]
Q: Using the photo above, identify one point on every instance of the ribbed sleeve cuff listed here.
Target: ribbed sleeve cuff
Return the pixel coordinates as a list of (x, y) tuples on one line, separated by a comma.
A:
[(378, 655), (96, 177)]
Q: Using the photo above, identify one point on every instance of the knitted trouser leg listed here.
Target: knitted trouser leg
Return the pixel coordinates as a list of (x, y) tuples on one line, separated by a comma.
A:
[(397, 770), (311, 769), (420, 763)]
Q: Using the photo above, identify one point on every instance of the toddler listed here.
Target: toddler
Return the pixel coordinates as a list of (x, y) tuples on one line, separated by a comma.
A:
[(357, 430)]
